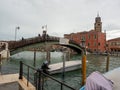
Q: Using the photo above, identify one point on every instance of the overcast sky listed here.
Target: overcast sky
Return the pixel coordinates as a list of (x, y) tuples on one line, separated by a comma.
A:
[(61, 16)]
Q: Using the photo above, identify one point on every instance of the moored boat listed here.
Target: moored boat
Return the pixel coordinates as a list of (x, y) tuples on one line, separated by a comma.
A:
[(111, 81), (69, 66)]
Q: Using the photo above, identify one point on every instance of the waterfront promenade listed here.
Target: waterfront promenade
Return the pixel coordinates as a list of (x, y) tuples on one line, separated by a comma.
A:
[(8, 78), (9, 82)]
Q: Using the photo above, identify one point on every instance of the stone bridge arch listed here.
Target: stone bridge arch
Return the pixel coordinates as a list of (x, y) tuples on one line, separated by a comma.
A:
[(25, 44)]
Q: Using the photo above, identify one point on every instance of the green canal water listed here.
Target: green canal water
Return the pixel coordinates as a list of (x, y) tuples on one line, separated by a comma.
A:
[(73, 78)]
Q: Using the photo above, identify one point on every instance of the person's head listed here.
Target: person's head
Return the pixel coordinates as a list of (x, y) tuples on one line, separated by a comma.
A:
[(46, 62)]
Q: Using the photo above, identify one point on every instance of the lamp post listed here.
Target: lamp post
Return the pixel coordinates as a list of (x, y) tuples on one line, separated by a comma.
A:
[(83, 45), (17, 28)]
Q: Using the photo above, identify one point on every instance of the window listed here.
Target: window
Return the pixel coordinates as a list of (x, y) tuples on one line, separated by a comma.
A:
[(98, 24), (99, 44), (88, 44), (88, 36), (113, 43), (95, 36), (83, 37), (95, 44)]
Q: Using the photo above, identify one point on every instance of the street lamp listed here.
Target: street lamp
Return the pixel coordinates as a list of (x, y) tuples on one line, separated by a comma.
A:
[(83, 45), (17, 28)]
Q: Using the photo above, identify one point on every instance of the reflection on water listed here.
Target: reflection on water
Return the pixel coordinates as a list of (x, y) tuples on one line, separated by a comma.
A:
[(73, 78)]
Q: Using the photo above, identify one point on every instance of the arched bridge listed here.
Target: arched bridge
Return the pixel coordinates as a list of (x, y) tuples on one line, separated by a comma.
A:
[(17, 46)]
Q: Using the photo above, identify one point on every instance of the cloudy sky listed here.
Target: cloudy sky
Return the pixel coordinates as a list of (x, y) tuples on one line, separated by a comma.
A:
[(60, 16)]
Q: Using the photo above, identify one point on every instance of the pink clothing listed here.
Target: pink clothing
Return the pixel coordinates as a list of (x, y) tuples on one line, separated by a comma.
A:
[(96, 81)]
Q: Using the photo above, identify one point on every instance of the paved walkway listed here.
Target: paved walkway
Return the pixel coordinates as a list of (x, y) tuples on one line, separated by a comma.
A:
[(8, 78), (10, 86), (9, 82)]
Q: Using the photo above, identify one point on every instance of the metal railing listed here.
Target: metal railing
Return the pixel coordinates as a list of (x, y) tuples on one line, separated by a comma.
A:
[(38, 77)]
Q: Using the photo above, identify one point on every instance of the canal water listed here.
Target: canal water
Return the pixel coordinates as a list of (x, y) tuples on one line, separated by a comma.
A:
[(73, 78)]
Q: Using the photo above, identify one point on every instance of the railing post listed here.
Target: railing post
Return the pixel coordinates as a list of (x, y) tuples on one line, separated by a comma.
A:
[(21, 70), (42, 82), (35, 79), (28, 77), (39, 79), (61, 87)]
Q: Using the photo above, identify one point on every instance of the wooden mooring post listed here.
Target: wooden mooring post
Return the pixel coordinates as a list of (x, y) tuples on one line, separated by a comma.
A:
[(107, 63), (83, 69), (34, 58), (0, 64), (7, 54), (0, 59), (48, 56), (67, 56), (64, 59)]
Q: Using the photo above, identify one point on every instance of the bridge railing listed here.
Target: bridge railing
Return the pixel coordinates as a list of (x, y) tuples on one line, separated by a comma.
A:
[(25, 42), (39, 78)]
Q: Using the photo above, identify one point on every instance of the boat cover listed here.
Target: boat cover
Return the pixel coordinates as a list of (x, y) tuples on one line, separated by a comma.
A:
[(96, 81)]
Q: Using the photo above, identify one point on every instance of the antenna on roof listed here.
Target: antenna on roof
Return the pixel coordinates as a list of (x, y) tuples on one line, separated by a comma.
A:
[(97, 14)]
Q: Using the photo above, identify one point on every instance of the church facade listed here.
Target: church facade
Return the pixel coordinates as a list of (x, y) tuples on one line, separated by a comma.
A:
[(95, 40)]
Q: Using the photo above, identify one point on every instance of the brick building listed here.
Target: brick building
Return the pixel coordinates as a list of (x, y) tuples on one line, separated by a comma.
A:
[(95, 40), (113, 45)]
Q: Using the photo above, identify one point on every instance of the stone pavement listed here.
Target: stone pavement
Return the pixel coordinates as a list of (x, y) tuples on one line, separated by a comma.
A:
[(10, 86), (9, 82), (8, 78)]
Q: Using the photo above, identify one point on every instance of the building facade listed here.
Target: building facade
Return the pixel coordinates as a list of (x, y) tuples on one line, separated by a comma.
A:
[(113, 45), (95, 40)]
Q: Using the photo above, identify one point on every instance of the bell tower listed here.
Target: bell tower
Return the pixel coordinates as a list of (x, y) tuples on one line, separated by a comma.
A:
[(98, 24)]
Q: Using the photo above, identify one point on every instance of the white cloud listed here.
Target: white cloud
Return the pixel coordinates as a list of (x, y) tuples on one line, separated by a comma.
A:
[(61, 16), (113, 34)]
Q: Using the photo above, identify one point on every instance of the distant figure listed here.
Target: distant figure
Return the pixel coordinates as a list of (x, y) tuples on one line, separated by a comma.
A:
[(45, 67), (22, 38), (38, 35)]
